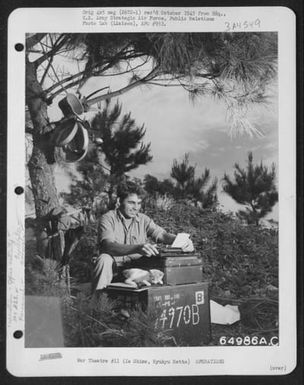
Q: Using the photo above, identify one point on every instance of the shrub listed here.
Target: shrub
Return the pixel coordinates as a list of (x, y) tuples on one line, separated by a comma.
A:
[(99, 323), (80, 263), (237, 259)]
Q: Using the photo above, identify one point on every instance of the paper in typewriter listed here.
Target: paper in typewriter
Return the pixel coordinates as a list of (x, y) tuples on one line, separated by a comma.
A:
[(197, 88), (180, 240)]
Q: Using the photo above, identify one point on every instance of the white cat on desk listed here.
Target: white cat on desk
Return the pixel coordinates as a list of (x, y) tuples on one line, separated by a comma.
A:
[(138, 277)]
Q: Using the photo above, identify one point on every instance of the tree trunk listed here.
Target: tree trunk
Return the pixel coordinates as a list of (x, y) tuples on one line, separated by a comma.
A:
[(43, 183), (41, 172)]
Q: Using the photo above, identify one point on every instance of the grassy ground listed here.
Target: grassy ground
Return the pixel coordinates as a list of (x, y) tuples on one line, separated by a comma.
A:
[(240, 263)]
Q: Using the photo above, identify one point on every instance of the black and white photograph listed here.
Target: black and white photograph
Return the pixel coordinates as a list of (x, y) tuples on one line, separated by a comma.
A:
[(153, 210)]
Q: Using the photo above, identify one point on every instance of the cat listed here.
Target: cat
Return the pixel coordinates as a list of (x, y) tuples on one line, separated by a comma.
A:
[(139, 277)]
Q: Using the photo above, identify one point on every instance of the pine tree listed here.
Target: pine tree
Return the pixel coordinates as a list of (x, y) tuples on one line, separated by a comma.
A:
[(166, 187), (253, 187), (106, 163), (190, 187), (236, 68), (153, 186), (89, 191), (183, 173), (198, 189), (122, 146), (122, 140)]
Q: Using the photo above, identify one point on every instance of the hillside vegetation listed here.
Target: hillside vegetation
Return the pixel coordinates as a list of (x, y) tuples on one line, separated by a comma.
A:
[(240, 262)]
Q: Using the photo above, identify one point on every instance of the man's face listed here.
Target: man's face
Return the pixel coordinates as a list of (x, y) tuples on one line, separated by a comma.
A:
[(130, 206)]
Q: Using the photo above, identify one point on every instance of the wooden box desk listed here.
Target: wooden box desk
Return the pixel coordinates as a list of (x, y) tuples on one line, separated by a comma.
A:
[(182, 308)]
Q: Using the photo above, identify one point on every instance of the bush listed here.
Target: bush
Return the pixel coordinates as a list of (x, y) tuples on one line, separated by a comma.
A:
[(238, 260), (99, 323), (80, 263)]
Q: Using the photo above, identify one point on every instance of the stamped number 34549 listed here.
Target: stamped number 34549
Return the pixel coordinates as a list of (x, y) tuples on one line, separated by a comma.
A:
[(242, 25)]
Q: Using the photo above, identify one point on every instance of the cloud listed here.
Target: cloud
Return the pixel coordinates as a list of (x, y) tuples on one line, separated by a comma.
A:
[(175, 126)]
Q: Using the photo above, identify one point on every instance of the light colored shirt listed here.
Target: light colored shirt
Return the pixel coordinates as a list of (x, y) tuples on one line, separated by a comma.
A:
[(115, 228)]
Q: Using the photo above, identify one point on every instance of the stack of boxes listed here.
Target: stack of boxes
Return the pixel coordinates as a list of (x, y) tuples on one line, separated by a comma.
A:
[(178, 267), (183, 300)]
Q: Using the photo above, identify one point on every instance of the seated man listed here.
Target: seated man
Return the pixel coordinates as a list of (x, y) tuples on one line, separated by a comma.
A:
[(122, 235)]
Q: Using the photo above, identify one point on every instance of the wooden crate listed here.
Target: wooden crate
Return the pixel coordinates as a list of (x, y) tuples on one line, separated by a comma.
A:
[(182, 275), (182, 308), (178, 268)]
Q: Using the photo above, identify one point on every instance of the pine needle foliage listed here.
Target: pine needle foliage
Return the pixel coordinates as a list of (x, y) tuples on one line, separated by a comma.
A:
[(182, 172), (190, 187), (87, 190), (155, 187), (234, 67), (99, 324), (122, 140), (253, 187), (199, 190)]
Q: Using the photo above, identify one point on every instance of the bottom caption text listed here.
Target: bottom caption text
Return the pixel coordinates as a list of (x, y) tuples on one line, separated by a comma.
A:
[(128, 361)]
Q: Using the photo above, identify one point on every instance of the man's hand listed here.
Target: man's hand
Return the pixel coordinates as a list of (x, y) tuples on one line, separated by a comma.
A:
[(188, 246), (147, 250)]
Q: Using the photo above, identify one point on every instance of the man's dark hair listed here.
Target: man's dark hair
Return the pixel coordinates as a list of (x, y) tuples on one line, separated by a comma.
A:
[(125, 189)]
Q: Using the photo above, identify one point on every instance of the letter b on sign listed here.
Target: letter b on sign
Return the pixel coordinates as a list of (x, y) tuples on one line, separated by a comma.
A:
[(199, 297)]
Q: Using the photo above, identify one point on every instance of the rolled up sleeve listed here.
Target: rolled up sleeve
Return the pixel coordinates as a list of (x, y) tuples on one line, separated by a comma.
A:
[(105, 230)]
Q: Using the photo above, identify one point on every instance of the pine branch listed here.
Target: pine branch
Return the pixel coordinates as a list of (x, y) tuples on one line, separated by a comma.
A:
[(122, 90), (60, 83), (59, 43), (79, 81), (46, 70), (163, 85), (33, 40)]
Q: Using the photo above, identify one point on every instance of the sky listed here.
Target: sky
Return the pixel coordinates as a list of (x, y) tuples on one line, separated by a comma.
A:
[(175, 126)]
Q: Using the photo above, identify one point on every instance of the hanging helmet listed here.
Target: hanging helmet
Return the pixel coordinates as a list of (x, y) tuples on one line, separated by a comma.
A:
[(71, 105), (64, 132), (77, 148)]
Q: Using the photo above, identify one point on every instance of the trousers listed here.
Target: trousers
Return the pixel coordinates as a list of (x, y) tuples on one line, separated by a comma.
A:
[(104, 266)]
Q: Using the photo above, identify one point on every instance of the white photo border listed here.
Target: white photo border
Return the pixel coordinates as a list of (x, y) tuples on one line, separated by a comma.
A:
[(237, 360)]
